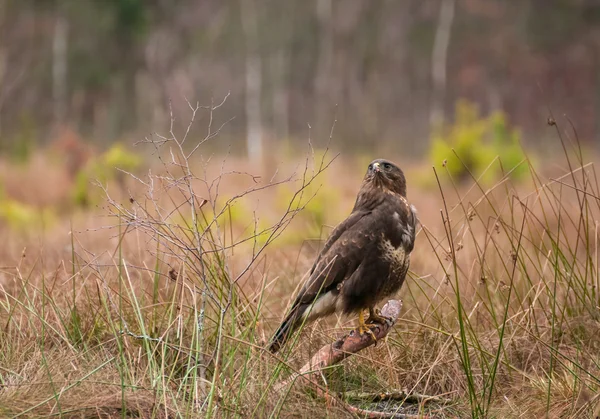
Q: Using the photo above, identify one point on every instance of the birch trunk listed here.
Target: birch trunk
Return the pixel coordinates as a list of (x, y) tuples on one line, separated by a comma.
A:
[(254, 129), (439, 62), (59, 68), (323, 88)]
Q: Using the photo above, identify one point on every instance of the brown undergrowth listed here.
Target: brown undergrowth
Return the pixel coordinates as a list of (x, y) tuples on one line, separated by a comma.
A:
[(159, 304)]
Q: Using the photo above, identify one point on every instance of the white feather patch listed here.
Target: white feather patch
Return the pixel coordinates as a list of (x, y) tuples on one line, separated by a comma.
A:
[(326, 304)]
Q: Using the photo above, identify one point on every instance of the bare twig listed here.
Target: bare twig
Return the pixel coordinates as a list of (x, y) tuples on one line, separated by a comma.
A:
[(401, 395), (183, 212)]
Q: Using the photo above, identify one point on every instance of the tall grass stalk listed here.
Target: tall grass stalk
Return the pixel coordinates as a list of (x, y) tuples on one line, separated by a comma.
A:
[(168, 314)]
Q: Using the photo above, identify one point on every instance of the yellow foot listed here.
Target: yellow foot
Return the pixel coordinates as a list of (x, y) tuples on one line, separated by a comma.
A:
[(367, 329), (376, 317), (364, 327)]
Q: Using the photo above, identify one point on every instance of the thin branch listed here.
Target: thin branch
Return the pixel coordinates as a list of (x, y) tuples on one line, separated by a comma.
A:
[(399, 395)]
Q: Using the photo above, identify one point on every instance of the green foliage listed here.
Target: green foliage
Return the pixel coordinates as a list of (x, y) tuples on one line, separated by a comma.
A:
[(23, 217), (238, 216), (477, 141), (104, 169), (118, 157), (317, 200), (507, 145), (81, 194)]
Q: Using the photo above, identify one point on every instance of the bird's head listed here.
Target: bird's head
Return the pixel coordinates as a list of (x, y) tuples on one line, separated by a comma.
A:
[(385, 174)]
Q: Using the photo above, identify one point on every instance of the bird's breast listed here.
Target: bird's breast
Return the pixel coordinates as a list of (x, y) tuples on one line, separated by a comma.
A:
[(397, 260), (396, 256)]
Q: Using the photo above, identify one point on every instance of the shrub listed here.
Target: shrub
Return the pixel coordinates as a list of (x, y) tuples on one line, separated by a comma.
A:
[(119, 156), (104, 169), (472, 142), (22, 217), (317, 200)]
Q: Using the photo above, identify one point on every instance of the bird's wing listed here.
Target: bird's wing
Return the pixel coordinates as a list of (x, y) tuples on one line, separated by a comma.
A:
[(412, 223), (339, 258)]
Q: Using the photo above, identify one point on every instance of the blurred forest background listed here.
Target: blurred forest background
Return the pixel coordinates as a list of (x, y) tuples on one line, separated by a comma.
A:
[(388, 70), (143, 281)]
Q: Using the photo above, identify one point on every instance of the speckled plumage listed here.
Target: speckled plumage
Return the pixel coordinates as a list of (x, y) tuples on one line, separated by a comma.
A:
[(366, 257)]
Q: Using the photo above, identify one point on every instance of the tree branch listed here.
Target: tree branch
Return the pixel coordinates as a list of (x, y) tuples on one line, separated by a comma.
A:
[(395, 395), (344, 347), (348, 345)]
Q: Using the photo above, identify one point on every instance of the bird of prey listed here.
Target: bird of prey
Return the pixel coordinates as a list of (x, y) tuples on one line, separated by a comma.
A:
[(364, 260)]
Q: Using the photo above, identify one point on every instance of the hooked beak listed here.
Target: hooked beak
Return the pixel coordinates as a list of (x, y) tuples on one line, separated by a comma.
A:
[(376, 168)]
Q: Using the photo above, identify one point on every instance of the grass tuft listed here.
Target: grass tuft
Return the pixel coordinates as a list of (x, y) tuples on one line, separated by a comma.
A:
[(165, 309)]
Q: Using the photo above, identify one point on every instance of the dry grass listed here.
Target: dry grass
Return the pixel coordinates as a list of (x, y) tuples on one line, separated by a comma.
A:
[(165, 312)]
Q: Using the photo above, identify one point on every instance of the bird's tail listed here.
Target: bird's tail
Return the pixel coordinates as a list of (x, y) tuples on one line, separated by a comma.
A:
[(291, 322)]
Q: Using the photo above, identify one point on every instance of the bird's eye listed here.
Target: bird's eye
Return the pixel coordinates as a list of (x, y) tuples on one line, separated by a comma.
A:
[(387, 166), (370, 167)]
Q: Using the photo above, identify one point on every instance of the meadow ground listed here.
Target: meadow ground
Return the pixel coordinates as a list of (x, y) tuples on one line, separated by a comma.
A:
[(157, 299)]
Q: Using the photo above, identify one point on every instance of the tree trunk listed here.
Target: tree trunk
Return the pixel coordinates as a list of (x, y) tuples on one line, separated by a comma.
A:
[(323, 88), (254, 129), (59, 68), (3, 61), (439, 62), (280, 93)]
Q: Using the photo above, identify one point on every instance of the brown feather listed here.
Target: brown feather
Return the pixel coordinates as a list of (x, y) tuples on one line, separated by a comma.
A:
[(366, 257)]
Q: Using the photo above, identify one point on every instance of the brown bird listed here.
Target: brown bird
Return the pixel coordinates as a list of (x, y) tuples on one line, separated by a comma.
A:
[(365, 259)]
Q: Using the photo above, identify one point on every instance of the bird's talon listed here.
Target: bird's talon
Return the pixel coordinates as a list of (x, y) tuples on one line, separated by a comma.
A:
[(367, 329), (376, 318)]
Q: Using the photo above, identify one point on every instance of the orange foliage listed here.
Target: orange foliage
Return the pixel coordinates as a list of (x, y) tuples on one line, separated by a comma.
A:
[(73, 149)]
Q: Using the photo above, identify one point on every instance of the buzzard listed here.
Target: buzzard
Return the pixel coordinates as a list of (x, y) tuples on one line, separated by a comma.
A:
[(365, 259)]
